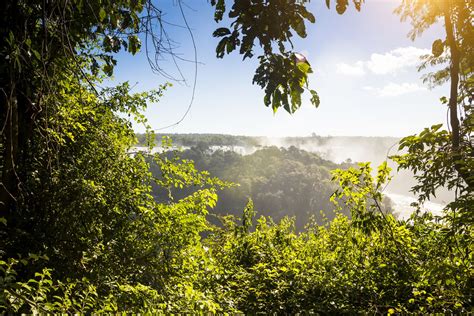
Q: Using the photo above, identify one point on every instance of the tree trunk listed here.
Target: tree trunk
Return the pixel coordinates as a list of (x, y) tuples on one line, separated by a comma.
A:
[(9, 187), (454, 79), (454, 71), (17, 92)]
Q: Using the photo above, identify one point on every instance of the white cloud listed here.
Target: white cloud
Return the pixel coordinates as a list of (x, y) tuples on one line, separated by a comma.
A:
[(390, 62), (395, 89), (352, 70), (395, 60)]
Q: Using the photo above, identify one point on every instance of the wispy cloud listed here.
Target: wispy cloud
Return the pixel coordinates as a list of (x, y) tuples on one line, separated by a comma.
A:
[(395, 89), (390, 62), (356, 69)]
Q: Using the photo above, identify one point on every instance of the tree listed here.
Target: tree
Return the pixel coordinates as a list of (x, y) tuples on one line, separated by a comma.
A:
[(446, 157), (45, 42), (457, 51), (72, 194), (282, 74)]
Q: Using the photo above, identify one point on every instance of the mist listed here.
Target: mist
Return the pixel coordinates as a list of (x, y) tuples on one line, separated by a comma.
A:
[(338, 149)]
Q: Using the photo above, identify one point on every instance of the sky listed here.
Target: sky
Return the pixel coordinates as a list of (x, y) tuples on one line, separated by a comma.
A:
[(365, 72)]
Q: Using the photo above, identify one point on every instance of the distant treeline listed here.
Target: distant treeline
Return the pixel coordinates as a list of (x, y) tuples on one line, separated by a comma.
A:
[(194, 139), (336, 148), (191, 140)]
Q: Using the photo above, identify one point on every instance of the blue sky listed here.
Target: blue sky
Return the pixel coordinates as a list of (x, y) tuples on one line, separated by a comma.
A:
[(365, 74)]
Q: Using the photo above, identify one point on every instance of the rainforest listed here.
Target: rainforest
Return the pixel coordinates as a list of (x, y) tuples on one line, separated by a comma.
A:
[(236, 157)]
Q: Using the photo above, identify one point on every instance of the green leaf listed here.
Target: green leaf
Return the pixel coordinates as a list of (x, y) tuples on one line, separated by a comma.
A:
[(276, 100), (310, 17), (220, 49), (304, 67), (222, 31), (314, 98), (230, 46), (102, 14), (134, 44), (300, 28), (437, 48), (220, 9), (341, 6)]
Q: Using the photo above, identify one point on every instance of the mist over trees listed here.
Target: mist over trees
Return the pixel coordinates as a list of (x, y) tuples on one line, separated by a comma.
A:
[(90, 225), (337, 149), (281, 182)]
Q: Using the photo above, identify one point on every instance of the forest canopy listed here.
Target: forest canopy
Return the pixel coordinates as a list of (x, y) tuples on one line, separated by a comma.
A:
[(89, 225)]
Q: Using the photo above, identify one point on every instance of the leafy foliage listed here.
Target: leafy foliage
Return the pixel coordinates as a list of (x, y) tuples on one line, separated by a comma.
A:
[(283, 74), (262, 266), (431, 157), (341, 267)]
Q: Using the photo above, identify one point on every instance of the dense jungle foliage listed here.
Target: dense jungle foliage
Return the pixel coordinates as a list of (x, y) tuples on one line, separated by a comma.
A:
[(81, 231)]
